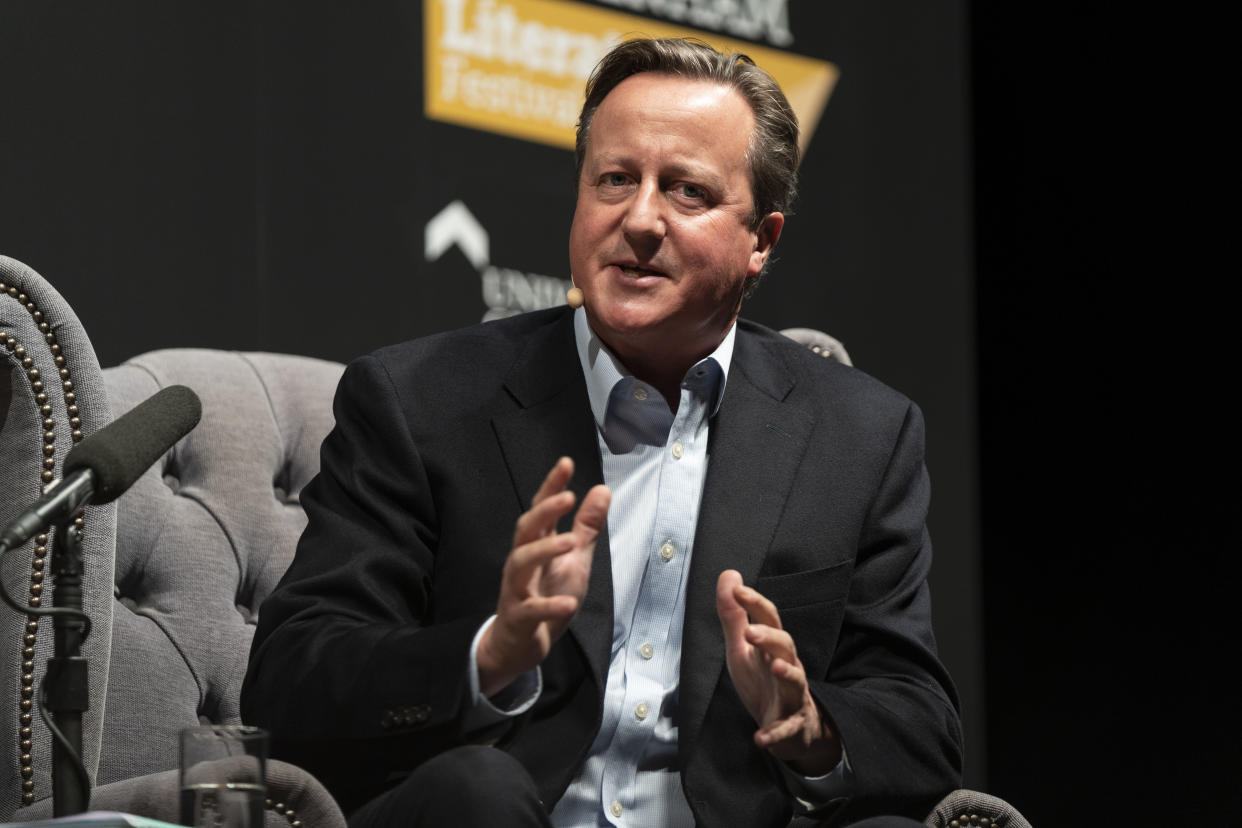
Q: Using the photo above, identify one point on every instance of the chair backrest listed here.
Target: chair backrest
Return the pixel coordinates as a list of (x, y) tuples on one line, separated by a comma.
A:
[(51, 397), (820, 342), (202, 538), (176, 568)]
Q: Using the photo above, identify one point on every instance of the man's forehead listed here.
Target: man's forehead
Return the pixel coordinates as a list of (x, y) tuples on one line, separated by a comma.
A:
[(659, 82), (648, 97)]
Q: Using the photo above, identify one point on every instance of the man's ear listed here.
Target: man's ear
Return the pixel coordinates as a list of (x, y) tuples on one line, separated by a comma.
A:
[(766, 236)]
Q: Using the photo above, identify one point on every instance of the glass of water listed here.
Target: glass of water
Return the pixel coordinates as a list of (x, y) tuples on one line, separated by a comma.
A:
[(222, 776)]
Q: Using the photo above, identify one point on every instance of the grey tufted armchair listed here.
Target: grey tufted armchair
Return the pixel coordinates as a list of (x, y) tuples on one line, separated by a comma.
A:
[(175, 569)]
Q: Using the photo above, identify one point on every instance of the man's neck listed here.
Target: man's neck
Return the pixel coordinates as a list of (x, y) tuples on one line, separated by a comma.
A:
[(665, 371)]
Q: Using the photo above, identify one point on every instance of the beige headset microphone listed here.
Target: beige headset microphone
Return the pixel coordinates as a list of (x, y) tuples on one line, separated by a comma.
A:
[(574, 295)]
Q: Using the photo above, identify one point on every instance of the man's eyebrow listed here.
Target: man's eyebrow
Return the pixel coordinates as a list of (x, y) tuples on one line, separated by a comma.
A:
[(613, 159), (702, 176), (699, 172), (675, 169)]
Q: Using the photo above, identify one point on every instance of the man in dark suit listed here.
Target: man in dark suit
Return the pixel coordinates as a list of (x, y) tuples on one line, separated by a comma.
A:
[(734, 628)]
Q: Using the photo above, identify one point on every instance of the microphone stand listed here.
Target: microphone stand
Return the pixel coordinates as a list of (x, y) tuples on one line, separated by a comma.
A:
[(100, 469), (66, 683)]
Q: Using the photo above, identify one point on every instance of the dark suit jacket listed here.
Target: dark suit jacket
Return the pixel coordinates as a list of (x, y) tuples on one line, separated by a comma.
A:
[(816, 492)]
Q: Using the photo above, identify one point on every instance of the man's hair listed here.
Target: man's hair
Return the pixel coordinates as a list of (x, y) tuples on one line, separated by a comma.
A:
[(773, 151)]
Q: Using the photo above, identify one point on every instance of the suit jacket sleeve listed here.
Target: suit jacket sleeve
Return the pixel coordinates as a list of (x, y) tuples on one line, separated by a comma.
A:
[(885, 690), (345, 671)]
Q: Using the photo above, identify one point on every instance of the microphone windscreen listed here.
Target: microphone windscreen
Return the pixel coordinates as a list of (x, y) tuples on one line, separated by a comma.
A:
[(121, 451)]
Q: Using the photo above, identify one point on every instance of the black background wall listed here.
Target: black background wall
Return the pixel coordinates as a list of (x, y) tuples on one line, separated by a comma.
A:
[(258, 174), (1108, 452)]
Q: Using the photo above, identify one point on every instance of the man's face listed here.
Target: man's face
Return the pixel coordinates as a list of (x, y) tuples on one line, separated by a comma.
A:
[(661, 242)]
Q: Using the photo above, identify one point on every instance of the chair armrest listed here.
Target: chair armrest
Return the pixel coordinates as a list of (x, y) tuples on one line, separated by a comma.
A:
[(295, 799), (971, 809)]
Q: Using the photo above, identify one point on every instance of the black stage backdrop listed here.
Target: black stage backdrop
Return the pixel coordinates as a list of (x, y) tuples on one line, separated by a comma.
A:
[(265, 174), (1106, 247)]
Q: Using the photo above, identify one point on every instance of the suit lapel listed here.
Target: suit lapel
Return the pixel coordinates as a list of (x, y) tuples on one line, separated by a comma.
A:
[(552, 419), (757, 442)]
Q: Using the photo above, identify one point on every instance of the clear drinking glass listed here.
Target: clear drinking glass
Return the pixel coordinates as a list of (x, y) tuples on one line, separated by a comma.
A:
[(222, 776)]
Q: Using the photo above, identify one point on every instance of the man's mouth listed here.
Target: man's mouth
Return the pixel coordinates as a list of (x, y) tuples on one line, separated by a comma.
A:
[(636, 272)]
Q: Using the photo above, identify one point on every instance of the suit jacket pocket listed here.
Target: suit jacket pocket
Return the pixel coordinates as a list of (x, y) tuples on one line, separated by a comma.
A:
[(799, 589), (811, 605)]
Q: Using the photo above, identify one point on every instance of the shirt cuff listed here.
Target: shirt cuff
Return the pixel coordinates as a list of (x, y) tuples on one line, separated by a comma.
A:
[(513, 700), (814, 792)]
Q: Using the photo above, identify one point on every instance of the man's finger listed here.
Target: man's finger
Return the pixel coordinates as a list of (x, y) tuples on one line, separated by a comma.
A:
[(537, 609), (774, 641), (761, 610), (592, 514), (555, 481), (732, 614), (541, 518), (527, 558), (779, 731), (791, 683)]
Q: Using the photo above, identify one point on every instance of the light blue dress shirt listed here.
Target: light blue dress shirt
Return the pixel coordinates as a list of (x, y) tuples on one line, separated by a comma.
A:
[(655, 462)]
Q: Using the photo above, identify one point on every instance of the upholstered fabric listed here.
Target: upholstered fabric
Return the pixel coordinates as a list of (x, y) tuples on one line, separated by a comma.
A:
[(972, 809), (203, 537), (48, 376), (301, 799), (820, 342)]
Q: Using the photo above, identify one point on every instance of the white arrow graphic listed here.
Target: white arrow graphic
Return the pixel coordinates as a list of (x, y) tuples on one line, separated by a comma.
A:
[(455, 224)]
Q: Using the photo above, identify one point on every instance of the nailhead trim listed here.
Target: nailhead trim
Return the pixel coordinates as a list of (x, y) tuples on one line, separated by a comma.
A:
[(286, 812), (38, 561)]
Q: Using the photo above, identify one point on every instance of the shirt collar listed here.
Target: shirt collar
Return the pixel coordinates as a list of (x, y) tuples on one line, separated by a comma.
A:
[(603, 370)]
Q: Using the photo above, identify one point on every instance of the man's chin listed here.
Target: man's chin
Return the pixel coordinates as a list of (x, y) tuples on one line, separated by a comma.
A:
[(628, 317)]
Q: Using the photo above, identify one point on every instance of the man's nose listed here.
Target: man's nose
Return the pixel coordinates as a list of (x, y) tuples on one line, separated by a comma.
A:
[(644, 217)]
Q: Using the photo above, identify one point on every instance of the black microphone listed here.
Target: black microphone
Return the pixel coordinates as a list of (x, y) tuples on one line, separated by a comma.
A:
[(103, 466)]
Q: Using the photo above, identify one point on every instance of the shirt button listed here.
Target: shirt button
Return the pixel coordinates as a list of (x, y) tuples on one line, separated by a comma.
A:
[(641, 711), (640, 393), (667, 550), (616, 809), (647, 650), (677, 451)]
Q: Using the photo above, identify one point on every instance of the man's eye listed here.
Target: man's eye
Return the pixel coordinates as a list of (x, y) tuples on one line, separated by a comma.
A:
[(692, 191), (613, 180)]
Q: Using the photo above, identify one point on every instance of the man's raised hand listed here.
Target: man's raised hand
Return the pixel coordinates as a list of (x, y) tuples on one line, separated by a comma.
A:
[(544, 579), (769, 677)]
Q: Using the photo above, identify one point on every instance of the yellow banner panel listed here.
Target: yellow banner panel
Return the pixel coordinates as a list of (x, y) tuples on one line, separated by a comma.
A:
[(518, 67)]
